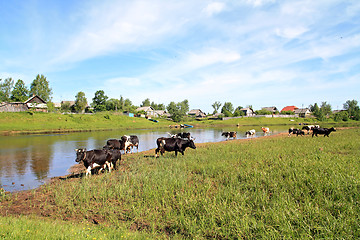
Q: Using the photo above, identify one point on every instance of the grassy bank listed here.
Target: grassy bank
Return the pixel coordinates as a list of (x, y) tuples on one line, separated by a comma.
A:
[(274, 187), (25, 122)]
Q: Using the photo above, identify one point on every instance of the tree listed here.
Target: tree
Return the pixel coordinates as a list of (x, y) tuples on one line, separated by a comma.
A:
[(325, 108), (122, 103), (341, 116), (227, 109), (263, 112), (178, 110), (145, 103), (351, 106), (80, 102), (40, 86), (99, 101), (20, 92), (65, 107), (216, 105), (157, 106), (238, 112), (5, 89), (113, 104)]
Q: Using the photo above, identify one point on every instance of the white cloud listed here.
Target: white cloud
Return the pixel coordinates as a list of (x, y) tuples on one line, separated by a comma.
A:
[(291, 32), (214, 8), (258, 3)]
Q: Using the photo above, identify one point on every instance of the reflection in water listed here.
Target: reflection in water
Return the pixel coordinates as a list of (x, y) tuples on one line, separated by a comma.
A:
[(29, 160)]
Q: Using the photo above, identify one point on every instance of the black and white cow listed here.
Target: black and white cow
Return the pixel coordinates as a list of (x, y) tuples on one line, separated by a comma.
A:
[(229, 135), (323, 131), (309, 128), (183, 135), (250, 133), (97, 158), (113, 144), (173, 144), (115, 156), (180, 135), (296, 131), (128, 142)]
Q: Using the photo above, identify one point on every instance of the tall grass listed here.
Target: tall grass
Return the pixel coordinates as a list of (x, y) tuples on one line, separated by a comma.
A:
[(280, 188)]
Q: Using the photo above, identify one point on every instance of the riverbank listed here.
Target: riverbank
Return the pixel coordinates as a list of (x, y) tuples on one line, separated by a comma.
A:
[(44, 123), (270, 187)]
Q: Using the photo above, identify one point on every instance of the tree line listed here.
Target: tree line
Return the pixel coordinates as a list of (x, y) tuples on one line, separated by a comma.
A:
[(11, 91)]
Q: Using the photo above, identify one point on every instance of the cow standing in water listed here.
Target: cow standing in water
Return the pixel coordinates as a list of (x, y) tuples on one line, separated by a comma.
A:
[(265, 130), (250, 133), (229, 135), (129, 142), (173, 144)]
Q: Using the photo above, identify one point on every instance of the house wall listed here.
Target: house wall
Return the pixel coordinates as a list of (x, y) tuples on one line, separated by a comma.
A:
[(14, 107)]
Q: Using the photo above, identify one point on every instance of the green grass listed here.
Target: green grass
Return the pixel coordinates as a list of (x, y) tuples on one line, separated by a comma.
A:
[(277, 188), (51, 122), (26, 122)]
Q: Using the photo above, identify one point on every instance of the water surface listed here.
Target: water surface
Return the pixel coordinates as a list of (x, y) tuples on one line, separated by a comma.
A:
[(28, 161)]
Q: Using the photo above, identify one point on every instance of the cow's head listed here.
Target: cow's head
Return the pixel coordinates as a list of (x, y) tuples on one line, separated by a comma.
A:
[(80, 154), (192, 144)]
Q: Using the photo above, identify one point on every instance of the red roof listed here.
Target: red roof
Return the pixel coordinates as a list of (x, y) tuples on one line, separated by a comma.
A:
[(289, 108)]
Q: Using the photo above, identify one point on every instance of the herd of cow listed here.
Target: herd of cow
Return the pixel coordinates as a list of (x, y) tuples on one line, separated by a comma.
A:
[(315, 129), (100, 159)]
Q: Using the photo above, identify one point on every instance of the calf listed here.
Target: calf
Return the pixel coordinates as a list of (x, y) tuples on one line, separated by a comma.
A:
[(324, 131), (265, 130), (229, 135), (250, 133), (97, 158), (173, 144)]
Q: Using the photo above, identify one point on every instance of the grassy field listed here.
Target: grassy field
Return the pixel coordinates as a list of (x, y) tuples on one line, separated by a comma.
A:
[(275, 187)]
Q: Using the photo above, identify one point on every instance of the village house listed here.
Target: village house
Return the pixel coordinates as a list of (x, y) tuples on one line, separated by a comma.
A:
[(149, 111), (248, 111), (34, 103), (197, 113), (272, 109), (289, 108), (302, 112)]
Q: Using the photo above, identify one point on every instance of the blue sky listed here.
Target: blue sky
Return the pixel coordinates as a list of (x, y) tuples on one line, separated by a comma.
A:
[(247, 52)]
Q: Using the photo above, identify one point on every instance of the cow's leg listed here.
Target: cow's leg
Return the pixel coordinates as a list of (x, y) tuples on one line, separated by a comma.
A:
[(156, 152), (88, 171), (109, 165)]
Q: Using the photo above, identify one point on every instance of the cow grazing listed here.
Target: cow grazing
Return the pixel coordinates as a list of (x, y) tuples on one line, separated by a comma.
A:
[(128, 142), (229, 135), (97, 158), (173, 144), (113, 144), (296, 131), (250, 133), (323, 131), (265, 130)]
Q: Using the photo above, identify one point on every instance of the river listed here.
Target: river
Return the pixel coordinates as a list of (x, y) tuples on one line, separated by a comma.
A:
[(28, 161)]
